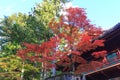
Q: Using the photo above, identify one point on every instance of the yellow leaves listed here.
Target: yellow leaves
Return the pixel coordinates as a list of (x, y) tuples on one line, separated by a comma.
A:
[(18, 18), (10, 63), (3, 65)]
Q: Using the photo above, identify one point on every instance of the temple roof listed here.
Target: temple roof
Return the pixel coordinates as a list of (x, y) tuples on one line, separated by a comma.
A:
[(112, 41)]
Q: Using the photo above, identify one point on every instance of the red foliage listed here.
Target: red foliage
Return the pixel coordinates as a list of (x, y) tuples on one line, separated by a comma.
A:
[(31, 46), (99, 54), (76, 17), (79, 34), (75, 52), (78, 59), (98, 43), (88, 67), (41, 53), (76, 35)]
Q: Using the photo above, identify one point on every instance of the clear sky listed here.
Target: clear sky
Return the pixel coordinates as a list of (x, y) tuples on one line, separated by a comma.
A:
[(8, 7), (104, 13)]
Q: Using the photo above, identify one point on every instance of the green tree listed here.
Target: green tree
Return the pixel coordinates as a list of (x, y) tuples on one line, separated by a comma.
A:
[(11, 68), (13, 32), (30, 28)]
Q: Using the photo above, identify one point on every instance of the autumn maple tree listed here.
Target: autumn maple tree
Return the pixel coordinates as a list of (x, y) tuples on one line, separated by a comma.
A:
[(74, 36), (77, 36)]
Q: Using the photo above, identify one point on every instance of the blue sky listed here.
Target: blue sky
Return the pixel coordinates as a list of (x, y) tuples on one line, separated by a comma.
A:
[(104, 13), (8, 7)]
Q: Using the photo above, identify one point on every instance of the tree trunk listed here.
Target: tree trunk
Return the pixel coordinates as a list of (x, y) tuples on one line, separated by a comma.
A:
[(22, 71)]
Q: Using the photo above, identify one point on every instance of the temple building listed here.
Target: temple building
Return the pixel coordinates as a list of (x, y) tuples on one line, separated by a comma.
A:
[(110, 70)]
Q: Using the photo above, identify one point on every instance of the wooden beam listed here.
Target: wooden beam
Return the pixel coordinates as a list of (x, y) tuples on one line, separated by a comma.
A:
[(117, 64), (118, 67)]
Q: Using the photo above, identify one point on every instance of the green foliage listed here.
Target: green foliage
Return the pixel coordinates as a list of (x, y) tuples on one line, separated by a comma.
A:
[(32, 28), (15, 29), (12, 66), (9, 49), (10, 76)]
